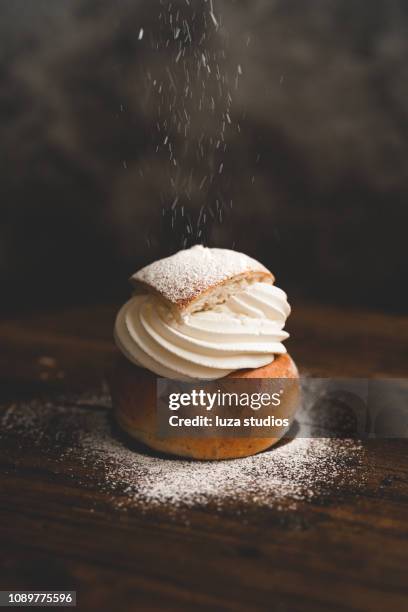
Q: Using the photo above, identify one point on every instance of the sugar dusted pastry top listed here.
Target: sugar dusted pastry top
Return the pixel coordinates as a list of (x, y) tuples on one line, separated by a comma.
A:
[(202, 314), (186, 279)]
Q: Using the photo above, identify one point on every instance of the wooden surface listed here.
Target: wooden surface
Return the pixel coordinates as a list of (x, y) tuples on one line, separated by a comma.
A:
[(59, 530)]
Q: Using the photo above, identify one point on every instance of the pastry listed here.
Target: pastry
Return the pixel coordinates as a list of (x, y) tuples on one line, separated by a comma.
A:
[(201, 314)]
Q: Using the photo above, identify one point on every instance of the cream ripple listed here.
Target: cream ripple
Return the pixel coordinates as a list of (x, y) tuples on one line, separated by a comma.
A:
[(244, 332)]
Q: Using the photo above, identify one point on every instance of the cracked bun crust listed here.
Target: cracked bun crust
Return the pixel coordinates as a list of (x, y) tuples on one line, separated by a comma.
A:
[(196, 278), (134, 397)]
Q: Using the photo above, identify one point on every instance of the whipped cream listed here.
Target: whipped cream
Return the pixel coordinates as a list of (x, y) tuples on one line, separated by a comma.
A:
[(246, 331)]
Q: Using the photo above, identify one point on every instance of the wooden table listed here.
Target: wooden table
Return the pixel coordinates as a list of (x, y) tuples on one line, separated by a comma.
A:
[(349, 552)]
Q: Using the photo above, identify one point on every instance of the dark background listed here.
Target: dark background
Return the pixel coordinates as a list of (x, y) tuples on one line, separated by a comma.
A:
[(316, 151)]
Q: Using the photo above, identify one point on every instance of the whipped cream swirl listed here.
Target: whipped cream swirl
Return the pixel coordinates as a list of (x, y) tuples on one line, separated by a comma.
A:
[(246, 331)]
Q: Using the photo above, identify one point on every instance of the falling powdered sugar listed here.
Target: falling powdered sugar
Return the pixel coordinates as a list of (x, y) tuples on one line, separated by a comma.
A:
[(298, 470)]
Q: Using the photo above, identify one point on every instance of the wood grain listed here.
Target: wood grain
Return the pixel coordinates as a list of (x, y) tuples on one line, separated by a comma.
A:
[(60, 530)]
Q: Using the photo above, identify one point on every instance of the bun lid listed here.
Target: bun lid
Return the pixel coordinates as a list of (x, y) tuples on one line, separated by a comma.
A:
[(199, 277)]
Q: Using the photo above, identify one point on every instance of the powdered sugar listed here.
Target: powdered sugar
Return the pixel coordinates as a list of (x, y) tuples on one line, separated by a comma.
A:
[(183, 276), (299, 470)]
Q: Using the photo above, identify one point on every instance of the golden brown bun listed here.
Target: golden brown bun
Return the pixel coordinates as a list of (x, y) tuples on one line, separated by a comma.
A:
[(194, 278), (134, 398)]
